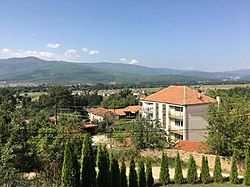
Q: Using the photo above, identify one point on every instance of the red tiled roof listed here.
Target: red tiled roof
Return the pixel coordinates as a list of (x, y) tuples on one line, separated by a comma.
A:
[(192, 146), (134, 108), (118, 112), (99, 111), (181, 95)]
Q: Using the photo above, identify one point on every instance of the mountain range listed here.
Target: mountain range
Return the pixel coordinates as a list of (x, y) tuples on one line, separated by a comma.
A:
[(35, 70)]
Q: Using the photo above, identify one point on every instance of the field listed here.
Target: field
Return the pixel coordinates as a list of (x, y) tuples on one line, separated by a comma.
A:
[(205, 185)]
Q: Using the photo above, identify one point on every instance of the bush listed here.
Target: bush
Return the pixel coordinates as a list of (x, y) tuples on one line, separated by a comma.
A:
[(141, 174), (114, 171), (132, 174), (178, 177), (192, 171), (124, 182), (218, 178), (247, 169), (164, 173), (149, 174), (205, 175), (103, 176), (234, 170)]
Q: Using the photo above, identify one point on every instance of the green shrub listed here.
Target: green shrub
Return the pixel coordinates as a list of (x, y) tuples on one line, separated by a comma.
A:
[(178, 177), (141, 174), (124, 181), (234, 170), (218, 178), (247, 169), (103, 176), (164, 173), (132, 180), (149, 174), (114, 171), (192, 171), (205, 175)]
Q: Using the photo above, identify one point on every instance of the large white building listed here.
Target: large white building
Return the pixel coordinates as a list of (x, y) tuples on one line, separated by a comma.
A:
[(180, 110)]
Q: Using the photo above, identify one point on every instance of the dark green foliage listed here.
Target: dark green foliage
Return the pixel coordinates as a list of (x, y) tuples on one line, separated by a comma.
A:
[(178, 177), (205, 175), (103, 176), (124, 181), (247, 169), (234, 170), (88, 173), (141, 174), (217, 170), (192, 175), (132, 179), (114, 171), (149, 174), (70, 169), (164, 173)]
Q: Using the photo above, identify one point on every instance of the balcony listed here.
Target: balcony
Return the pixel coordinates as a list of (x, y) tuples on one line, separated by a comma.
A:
[(176, 115), (175, 129), (148, 109)]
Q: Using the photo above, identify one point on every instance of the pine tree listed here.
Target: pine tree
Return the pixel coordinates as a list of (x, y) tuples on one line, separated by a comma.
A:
[(132, 174), (192, 171), (164, 173), (124, 181), (103, 176), (114, 171), (70, 169), (247, 169), (217, 170), (88, 173), (141, 174), (178, 177), (149, 174), (205, 175), (234, 170)]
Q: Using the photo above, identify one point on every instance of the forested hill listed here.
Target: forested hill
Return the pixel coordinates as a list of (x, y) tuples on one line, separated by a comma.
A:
[(35, 70)]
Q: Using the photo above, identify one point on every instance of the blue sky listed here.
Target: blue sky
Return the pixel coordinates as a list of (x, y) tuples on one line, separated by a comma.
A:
[(209, 35)]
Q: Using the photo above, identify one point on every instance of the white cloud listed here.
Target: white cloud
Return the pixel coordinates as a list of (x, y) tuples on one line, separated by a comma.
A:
[(85, 49), (94, 52), (124, 60), (53, 45), (71, 55), (32, 34), (133, 61), (24, 53)]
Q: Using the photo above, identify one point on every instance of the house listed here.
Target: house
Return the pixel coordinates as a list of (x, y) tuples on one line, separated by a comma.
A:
[(98, 113), (180, 110), (132, 111)]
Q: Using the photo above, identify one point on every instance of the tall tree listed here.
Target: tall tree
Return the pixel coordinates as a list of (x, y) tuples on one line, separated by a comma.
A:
[(132, 180), (149, 173), (141, 174), (103, 176), (70, 169), (114, 171), (178, 177), (205, 175), (192, 171), (124, 181), (247, 169), (88, 173), (164, 172), (217, 170), (234, 170)]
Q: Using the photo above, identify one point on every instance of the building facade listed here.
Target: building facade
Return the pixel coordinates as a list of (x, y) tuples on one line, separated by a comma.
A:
[(180, 110)]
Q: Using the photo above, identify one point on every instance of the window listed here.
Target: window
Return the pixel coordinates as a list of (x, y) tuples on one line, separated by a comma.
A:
[(178, 123), (179, 109)]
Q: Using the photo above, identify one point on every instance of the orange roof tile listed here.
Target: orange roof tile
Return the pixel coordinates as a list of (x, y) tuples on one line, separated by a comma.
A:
[(181, 95), (99, 111), (192, 146), (134, 108), (118, 112)]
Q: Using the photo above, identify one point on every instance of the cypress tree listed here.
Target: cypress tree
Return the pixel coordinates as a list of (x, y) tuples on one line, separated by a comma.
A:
[(178, 177), (114, 171), (124, 181), (217, 170), (141, 174), (87, 172), (247, 169), (164, 173), (234, 170), (132, 180), (149, 174), (70, 169), (103, 176), (192, 171), (205, 175)]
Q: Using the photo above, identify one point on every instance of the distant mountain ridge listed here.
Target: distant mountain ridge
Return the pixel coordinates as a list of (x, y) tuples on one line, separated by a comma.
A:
[(32, 69)]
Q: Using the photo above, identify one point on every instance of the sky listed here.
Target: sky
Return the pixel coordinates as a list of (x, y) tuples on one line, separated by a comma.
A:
[(208, 35)]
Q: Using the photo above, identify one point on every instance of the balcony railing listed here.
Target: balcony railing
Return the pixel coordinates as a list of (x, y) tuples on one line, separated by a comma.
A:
[(176, 115), (148, 109)]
